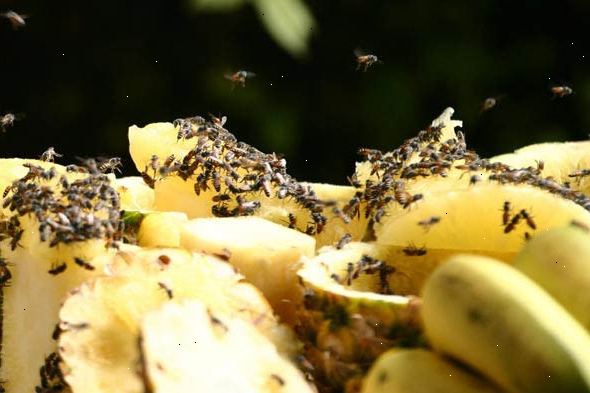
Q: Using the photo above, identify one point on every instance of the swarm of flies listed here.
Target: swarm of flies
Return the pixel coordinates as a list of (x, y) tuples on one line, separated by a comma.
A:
[(238, 79), (237, 174), (427, 155), (67, 211), (369, 265)]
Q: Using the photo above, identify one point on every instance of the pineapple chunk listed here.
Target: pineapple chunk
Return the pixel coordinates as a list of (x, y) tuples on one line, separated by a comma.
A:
[(135, 194), (346, 321), (211, 174), (161, 229), (472, 220), (52, 228), (267, 254), (364, 170), (560, 161), (187, 348), (101, 318)]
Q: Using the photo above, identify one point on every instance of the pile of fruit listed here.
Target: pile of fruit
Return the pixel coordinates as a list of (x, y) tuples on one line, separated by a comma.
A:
[(435, 270)]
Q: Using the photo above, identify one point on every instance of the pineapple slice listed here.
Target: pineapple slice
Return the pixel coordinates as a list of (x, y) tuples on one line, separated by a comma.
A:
[(161, 229), (562, 161), (135, 194), (475, 220), (347, 319), (52, 223), (208, 173), (440, 130), (267, 254), (101, 318), (188, 348)]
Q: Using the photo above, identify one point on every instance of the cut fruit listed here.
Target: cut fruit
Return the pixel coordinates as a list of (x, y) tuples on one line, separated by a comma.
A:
[(472, 220), (203, 171), (346, 327), (440, 130), (53, 223), (190, 348), (100, 319), (267, 254), (421, 371), (560, 159), (161, 229), (135, 195)]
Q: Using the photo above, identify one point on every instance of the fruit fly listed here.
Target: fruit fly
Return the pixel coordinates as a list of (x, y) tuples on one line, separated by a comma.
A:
[(528, 218), (49, 155), (218, 122), (339, 213), (225, 254), (166, 289), (239, 78), (512, 224), (506, 213), (429, 222), (16, 20), (150, 181), (277, 378), (344, 240), (83, 264), (292, 220), (413, 251), (561, 91), (58, 269), (112, 164), (6, 121), (488, 104), (364, 61), (474, 179), (5, 274), (580, 173)]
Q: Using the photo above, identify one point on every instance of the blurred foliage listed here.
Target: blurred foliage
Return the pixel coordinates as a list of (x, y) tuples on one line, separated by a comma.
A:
[(289, 22)]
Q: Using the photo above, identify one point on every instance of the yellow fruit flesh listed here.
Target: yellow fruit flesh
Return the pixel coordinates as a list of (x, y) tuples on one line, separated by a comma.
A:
[(560, 159), (112, 307), (346, 327), (267, 254), (472, 219), (134, 193), (175, 194), (187, 347), (31, 301), (161, 229), (499, 322), (421, 371)]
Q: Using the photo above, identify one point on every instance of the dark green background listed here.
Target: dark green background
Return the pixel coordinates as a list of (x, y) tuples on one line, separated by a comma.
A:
[(71, 69)]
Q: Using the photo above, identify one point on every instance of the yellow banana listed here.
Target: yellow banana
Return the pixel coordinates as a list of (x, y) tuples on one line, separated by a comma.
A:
[(498, 321)]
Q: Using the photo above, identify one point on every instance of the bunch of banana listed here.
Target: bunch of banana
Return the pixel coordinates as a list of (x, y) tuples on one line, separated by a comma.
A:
[(217, 271)]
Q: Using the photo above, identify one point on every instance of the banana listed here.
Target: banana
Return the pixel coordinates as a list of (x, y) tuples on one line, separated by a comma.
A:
[(559, 261), (498, 321), (421, 371)]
